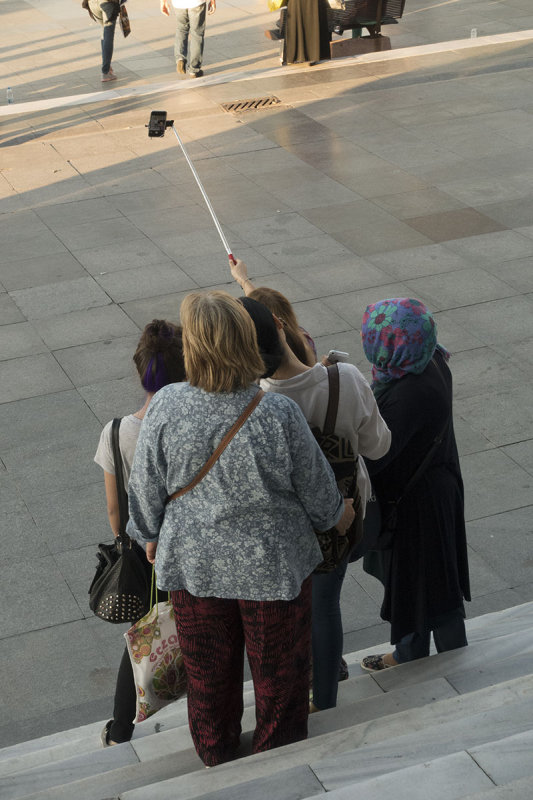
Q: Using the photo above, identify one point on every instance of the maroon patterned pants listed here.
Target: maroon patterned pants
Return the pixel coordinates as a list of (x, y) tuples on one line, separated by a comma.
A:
[(277, 634)]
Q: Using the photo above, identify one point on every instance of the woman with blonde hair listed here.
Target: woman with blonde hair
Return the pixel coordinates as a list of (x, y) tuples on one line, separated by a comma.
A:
[(237, 550)]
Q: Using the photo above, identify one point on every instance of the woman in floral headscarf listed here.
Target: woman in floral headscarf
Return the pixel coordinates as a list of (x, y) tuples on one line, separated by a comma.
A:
[(426, 564)]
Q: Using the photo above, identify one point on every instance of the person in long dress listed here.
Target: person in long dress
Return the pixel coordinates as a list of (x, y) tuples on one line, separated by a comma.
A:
[(425, 573), (307, 37)]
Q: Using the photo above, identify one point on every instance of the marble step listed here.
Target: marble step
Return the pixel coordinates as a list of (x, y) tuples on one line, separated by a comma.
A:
[(433, 741), (479, 717), (81, 746), (500, 623), (516, 790), (109, 785), (351, 707), (177, 740), (445, 778), (475, 772), (485, 662), (170, 724), (149, 779), (502, 768), (76, 741), (508, 760)]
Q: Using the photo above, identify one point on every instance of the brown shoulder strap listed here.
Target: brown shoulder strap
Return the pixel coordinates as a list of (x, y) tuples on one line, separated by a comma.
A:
[(220, 449), (333, 402)]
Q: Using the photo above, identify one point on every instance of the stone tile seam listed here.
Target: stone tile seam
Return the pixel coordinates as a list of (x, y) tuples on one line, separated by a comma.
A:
[(391, 55), (484, 771)]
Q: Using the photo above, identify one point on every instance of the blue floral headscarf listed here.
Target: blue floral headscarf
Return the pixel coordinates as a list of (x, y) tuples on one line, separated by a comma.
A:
[(399, 336)]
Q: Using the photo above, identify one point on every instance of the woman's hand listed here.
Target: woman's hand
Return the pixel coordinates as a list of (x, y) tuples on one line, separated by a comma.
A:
[(239, 273), (151, 548), (347, 518)]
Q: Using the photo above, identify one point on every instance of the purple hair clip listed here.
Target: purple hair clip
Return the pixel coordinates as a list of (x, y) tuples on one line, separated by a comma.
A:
[(156, 375)]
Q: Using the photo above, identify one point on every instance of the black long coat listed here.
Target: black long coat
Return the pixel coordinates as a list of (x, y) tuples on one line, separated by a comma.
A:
[(306, 31), (428, 567)]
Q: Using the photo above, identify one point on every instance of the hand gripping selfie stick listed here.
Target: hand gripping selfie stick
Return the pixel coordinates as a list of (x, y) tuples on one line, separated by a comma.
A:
[(157, 127)]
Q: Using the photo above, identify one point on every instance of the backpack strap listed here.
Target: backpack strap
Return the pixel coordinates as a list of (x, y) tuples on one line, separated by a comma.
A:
[(333, 401), (220, 449)]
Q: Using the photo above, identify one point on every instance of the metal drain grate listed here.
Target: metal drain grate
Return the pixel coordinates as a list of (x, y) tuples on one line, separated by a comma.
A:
[(256, 104)]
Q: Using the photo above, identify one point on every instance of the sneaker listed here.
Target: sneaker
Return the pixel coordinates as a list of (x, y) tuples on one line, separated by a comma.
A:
[(109, 77), (375, 663), (104, 736), (180, 66), (273, 35), (197, 74)]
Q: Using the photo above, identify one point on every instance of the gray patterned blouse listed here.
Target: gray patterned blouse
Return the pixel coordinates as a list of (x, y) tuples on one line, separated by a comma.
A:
[(246, 530)]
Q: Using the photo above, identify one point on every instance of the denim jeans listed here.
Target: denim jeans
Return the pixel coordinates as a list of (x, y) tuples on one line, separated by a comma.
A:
[(327, 636), (106, 12), (190, 29)]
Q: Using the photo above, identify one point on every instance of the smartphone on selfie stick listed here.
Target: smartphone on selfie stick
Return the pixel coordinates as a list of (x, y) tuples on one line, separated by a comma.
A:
[(335, 356)]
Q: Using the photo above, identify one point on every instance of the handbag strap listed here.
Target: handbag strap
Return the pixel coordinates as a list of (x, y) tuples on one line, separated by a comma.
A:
[(333, 400), (429, 455), (119, 477), (220, 449)]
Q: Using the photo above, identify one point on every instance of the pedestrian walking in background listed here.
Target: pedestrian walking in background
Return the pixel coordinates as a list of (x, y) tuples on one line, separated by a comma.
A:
[(190, 30), (106, 13)]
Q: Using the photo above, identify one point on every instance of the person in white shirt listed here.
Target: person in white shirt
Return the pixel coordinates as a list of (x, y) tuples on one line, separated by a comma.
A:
[(159, 361), (190, 30), (359, 421)]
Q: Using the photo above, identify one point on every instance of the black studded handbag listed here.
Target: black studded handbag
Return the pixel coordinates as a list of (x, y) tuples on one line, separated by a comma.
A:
[(120, 589)]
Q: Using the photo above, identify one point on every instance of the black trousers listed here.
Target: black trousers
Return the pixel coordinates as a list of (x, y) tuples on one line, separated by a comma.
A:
[(125, 702), (448, 633)]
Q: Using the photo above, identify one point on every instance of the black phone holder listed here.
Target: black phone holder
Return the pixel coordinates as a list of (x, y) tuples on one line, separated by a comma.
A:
[(158, 123)]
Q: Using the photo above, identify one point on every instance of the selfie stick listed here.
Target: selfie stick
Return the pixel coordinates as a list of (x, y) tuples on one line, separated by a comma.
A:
[(156, 127)]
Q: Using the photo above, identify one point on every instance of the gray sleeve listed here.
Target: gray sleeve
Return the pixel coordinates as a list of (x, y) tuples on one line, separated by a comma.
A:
[(147, 491), (312, 477)]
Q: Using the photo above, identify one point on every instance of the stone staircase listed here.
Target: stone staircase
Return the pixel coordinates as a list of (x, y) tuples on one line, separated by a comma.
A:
[(457, 725)]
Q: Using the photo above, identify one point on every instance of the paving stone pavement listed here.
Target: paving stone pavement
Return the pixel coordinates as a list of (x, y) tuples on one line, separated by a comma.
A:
[(407, 172)]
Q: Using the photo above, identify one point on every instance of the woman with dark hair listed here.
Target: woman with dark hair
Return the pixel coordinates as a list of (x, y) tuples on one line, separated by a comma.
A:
[(159, 361), (297, 337), (426, 563), (236, 548), (268, 340), (359, 421)]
